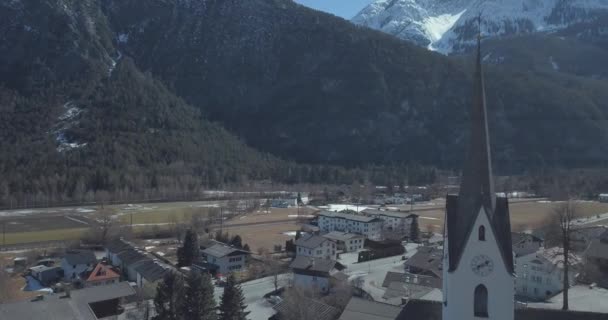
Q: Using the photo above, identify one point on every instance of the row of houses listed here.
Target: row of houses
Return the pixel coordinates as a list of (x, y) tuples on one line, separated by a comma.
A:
[(136, 266)]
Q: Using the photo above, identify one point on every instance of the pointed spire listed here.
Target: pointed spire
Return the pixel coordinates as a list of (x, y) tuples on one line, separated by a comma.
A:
[(477, 183)]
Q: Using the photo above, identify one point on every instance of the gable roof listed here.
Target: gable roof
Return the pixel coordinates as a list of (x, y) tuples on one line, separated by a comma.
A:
[(409, 278), (301, 263), (349, 216), (342, 236), (151, 270), (517, 237), (131, 256), (427, 258), (318, 309), (76, 257), (477, 186), (360, 309), (54, 307), (597, 249), (310, 241), (102, 272), (118, 245), (431, 310), (220, 250)]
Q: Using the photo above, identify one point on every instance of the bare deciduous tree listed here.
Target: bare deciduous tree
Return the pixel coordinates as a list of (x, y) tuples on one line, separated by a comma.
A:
[(560, 227)]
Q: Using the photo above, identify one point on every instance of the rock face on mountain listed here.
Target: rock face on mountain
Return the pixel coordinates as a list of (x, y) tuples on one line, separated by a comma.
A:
[(126, 93), (451, 25)]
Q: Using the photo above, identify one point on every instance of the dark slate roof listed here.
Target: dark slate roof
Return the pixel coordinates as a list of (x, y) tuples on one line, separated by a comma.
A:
[(604, 237), (360, 309), (221, 250), (118, 245), (75, 257), (301, 263), (597, 249), (54, 307), (517, 237), (477, 186), (131, 256), (151, 270), (310, 241), (342, 236), (427, 258), (431, 310), (409, 278), (318, 310), (348, 216)]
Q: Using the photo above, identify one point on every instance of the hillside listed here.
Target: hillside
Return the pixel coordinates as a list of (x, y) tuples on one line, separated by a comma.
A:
[(164, 95)]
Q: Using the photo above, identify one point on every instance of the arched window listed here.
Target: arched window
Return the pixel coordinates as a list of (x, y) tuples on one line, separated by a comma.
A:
[(481, 301), (482, 233)]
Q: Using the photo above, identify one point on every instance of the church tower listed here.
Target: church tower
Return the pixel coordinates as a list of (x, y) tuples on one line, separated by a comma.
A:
[(478, 274)]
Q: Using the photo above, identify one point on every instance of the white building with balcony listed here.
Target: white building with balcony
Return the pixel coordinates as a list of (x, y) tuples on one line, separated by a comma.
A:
[(370, 227)]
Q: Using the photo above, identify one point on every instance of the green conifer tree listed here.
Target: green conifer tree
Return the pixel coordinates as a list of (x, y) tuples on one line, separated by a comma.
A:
[(199, 301), (190, 251), (169, 297), (232, 306)]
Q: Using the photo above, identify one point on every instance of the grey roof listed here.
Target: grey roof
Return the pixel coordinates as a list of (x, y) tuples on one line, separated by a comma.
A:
[(54, 307), (388, 213), (431, 310), (301, 263), (75, 257), (118, 245), (219, 250), (317, 310), (360, 309), (310, 241), (131, 257), (395, 291), (517, 237), (342, 236), (477, 187), (409, 278), (597, 249), (151, 270), (348, 216), (427, 258)]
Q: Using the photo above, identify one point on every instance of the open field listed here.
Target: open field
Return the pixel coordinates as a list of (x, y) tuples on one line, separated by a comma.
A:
[(264, 236), (47, 235), (524, 215)]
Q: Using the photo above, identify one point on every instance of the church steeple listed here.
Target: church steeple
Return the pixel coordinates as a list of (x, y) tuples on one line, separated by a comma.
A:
[(477, 184)]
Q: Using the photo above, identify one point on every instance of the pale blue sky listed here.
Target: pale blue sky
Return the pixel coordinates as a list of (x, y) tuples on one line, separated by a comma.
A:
[(343, 8)]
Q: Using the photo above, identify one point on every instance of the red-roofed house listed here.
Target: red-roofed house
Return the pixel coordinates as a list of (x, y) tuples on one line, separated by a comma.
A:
[(102, 274)]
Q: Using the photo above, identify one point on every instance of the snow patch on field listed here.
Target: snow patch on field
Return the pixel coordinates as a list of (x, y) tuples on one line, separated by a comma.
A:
[(67, 120)]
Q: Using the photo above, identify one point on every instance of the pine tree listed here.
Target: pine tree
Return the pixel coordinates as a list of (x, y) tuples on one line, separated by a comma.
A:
[(199, 301), (298, 234), (190, 251), (232, 306), (246, 248), (169, 297), (414, 230), (237, 242)]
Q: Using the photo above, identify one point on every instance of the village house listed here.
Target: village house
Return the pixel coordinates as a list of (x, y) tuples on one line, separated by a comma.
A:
[(316, 247), (103, 274), (540, 275), (427, 261), (596, 261), (524, 243), (313, 274), (76, 262), (93, 303), (149, 273), (370, 227), (224, 258), (46, 275), (346, 242)]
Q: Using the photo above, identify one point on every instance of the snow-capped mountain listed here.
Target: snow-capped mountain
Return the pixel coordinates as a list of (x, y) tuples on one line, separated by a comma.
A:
[(451, 25)]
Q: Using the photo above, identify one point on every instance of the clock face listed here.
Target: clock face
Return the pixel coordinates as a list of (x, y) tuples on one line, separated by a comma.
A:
[(482, 265)]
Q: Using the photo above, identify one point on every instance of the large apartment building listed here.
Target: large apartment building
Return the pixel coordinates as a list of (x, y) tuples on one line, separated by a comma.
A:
[(370, 227)]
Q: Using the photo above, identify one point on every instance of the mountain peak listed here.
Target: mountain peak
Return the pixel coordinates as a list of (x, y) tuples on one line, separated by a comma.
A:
[(449, 25)]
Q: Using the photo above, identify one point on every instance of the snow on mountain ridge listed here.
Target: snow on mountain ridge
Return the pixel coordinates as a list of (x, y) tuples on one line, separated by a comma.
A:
[(450, 25)]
